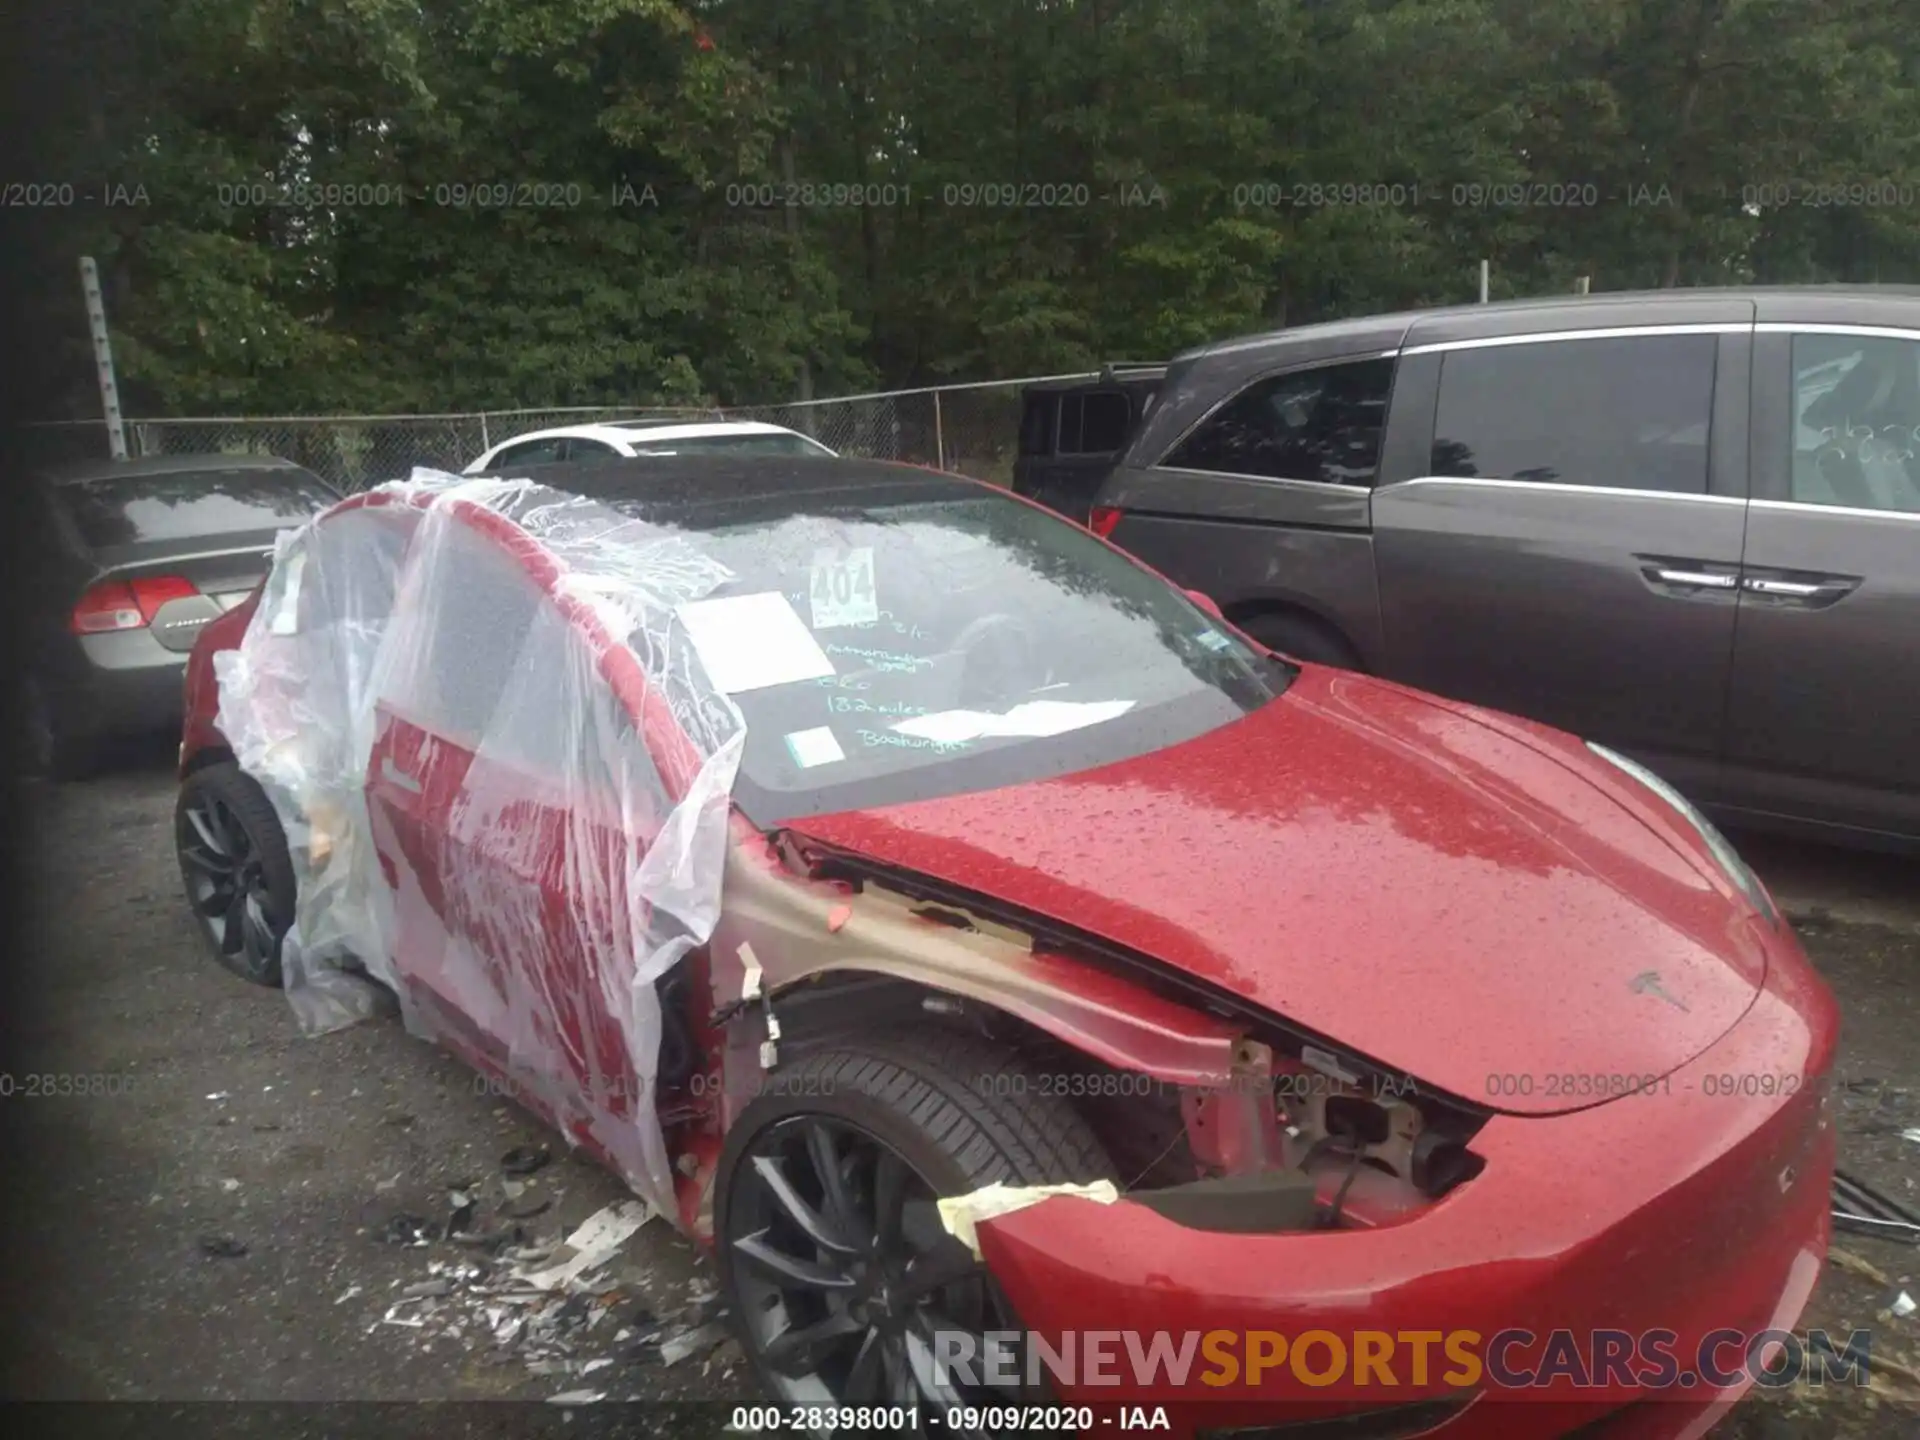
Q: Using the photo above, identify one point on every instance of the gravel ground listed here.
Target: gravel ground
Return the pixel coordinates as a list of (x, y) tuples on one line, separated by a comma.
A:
[(213, 1125)]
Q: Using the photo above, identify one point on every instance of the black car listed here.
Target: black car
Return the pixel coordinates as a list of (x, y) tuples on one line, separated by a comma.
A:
[(135, 556), (1683, 523), (1072, 433)]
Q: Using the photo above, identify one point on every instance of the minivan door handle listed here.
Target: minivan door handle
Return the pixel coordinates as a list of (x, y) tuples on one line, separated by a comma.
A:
[(1681, 577), (1811, 592), (1703, 578)]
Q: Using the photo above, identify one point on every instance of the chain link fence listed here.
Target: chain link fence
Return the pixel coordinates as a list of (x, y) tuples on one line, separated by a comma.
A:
[(971, 429)]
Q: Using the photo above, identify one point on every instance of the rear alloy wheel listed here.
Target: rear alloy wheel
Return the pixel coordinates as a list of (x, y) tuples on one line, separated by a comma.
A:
[(238, 875), (842, 1281)]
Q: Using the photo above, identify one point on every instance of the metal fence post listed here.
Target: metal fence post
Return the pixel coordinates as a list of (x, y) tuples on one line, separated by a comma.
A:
[(939, 438), (103, 357)]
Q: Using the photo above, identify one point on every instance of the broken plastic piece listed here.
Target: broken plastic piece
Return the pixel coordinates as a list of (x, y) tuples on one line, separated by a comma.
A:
[(593, 1244), (692, 1342), (1903, 1305), (963, 1214), (838, 917)]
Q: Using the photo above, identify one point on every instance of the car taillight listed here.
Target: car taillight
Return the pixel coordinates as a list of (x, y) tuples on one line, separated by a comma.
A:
[(1103, 518), (127, 604)]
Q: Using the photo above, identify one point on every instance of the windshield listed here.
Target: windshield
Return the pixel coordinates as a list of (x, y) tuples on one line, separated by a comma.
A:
[(732, 445), (887, 653)]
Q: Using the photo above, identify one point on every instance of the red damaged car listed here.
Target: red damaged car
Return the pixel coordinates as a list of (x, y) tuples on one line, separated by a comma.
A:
[(817, 841)]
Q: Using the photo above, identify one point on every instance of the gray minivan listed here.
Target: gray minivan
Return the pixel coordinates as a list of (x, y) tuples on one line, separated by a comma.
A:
[(1685, 524)]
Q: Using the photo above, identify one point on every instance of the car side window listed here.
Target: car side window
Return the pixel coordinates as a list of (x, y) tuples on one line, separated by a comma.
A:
[(1322, 424), (579, 448), (533, 452), (559, 721), (1856, 413), (1625, 412), (466, 637)]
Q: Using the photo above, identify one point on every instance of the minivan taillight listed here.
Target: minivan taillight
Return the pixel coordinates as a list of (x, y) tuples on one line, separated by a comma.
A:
[(126, 604), (1103, 518)]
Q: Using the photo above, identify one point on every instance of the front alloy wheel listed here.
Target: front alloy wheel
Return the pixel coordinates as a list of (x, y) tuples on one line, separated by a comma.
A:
[(846, 1288)]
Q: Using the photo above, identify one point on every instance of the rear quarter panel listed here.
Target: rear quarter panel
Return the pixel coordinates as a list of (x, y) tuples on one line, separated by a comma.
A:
[(200, 734)]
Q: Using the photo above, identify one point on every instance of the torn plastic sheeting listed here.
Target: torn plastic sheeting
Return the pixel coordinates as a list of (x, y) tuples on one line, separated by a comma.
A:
[(504, 776), (963, 1214)]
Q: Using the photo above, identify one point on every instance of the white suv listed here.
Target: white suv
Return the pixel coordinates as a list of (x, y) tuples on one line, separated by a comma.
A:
[(647, 437)]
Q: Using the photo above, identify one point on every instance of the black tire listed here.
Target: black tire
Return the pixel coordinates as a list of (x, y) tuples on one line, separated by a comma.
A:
[(244, 932), (1303, 638), (960, 1112)]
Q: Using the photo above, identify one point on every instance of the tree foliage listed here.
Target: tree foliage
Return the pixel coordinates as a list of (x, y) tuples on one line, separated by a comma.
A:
[(442, 204)]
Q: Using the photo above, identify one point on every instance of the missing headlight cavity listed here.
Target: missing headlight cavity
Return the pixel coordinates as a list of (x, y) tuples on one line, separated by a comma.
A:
[(1357, 1119)]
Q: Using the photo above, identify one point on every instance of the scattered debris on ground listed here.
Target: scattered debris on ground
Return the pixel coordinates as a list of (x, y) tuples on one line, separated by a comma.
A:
[(547, 1302)]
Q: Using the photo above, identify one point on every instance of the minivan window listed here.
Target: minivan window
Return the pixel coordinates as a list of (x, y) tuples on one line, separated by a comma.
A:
[(1856, 410), (1626, 412), (1036, 424), (1093, 424), (1321, 424)]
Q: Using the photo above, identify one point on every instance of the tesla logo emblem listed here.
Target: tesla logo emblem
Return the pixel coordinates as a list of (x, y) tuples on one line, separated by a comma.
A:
[(1647, 982)]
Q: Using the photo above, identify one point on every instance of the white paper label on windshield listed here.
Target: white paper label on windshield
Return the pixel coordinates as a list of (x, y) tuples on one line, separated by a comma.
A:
[(814, 747), (1032, 720), (841, 588), (749, 642)]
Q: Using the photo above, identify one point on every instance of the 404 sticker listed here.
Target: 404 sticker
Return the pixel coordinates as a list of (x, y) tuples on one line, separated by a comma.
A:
[(841, 588)]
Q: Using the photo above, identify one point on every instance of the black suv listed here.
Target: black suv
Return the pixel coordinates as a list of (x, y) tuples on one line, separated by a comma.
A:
[(1072, 433), (1683, 523)]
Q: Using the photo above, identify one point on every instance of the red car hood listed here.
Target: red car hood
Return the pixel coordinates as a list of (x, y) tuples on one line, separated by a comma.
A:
[(1469, 899)]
